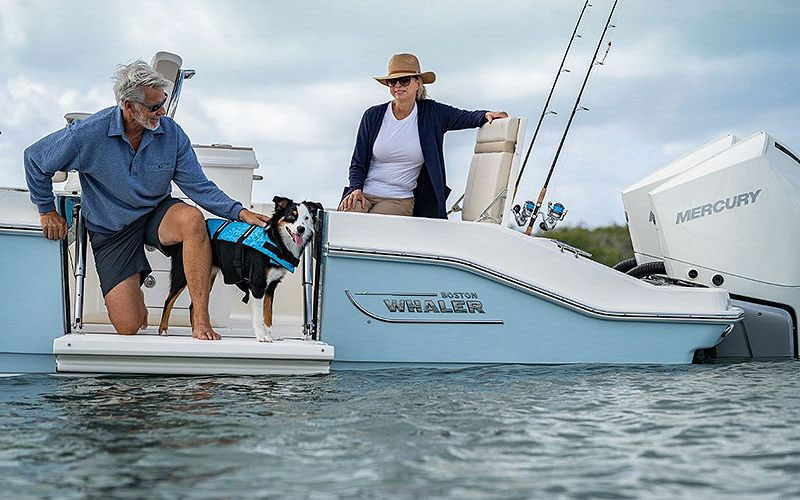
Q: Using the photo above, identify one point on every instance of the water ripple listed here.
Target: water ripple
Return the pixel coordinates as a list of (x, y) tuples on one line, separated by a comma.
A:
[(495, 432)]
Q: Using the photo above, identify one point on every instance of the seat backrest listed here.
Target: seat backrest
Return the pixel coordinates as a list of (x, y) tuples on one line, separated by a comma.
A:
[(493, 168)]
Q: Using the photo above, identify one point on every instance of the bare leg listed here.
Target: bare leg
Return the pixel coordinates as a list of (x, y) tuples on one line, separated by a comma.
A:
[(125, 304), (185, 224)]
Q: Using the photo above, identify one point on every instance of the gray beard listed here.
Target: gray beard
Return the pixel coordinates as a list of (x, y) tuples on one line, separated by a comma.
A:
[(141, 120)]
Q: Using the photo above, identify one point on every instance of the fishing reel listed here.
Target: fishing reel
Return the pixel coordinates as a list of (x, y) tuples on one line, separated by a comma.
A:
[(555, 214), (523, 212)]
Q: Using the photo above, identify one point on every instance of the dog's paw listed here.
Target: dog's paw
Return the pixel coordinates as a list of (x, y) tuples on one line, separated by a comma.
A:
[(162, 332), (264, 334)]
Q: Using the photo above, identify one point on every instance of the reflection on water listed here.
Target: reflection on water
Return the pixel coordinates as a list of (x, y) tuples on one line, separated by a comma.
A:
[(575, 432)]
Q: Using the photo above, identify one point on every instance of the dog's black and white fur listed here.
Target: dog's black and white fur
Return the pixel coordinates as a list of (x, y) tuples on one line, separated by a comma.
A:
[(291, 228)]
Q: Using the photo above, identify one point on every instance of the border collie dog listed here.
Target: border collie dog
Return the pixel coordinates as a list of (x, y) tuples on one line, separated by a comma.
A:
[(254, 259)]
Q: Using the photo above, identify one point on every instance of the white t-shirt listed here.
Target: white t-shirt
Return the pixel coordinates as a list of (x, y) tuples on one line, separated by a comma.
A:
[(396, 157)]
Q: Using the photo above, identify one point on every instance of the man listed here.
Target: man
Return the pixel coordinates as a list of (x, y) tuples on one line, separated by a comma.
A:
[(126, 157)]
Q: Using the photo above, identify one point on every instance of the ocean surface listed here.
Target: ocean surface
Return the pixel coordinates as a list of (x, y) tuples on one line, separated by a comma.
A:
[(699, 431)]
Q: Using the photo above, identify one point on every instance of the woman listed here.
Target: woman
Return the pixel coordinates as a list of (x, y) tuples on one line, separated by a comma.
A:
[(398, 162)]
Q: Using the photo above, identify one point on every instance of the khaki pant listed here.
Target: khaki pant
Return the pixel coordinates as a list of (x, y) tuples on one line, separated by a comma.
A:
[(386, 206)]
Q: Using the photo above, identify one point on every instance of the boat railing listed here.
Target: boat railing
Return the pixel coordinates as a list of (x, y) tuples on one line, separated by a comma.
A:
[(169, 65), (80, 266)]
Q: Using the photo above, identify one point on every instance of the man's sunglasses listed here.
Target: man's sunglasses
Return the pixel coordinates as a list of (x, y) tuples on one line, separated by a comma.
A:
[(154, 107), (404, 81)]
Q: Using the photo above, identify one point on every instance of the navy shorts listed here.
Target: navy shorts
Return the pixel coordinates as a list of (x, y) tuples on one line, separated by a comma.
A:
[(121, 254)]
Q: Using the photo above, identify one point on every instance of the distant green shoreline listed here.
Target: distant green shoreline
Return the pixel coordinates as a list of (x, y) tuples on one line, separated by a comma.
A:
[(608, 245)]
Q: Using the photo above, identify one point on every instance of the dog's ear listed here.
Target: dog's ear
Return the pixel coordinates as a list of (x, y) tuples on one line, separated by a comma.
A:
[(314, 207), (281, 203)]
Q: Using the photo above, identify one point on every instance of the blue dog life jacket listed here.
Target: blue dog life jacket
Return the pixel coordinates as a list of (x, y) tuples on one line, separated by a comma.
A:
[(248, 235)]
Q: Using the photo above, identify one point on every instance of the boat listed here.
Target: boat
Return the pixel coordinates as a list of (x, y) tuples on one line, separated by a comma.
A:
[(372, 291)]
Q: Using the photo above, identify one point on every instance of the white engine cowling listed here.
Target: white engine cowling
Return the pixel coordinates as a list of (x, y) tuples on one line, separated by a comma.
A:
[(636, 198), (730, 221), (725, 216)]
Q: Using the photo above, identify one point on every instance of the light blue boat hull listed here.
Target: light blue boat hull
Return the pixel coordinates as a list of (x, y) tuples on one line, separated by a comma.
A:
[(515, 326), (33, 299)]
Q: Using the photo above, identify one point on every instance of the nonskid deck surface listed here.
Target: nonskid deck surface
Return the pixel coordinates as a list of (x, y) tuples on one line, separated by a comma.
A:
[(98, 350)]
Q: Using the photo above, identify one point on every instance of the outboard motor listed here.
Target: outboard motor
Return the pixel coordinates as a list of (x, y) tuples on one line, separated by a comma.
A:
[(708, 217)]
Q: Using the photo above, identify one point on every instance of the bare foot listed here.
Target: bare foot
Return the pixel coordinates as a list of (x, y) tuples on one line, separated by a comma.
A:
[(205, 332)]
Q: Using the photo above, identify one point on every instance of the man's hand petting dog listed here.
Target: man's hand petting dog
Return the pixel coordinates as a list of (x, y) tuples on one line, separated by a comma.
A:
[(253, 218)]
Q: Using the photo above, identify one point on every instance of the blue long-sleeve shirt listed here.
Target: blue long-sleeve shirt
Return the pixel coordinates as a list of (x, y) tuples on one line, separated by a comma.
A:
[(433, 120), (118, 184)]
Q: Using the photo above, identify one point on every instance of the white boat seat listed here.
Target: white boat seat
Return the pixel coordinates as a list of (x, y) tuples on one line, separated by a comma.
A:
[(495, 160)]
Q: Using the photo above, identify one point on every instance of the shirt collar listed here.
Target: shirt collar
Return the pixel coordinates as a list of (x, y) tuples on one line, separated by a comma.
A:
[(116, 127), (115, 124)]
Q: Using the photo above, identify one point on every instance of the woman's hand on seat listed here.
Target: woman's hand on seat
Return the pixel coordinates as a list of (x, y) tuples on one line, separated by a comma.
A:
[(491, 115), (349, 201)]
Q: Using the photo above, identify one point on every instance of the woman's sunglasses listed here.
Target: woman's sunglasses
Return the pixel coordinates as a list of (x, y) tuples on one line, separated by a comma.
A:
[(404, 81)]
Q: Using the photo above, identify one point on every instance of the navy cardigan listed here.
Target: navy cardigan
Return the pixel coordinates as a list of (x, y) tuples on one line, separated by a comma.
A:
[(434, 119)]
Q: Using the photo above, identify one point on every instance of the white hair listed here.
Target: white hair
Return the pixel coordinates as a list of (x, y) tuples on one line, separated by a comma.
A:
[(131, 79)]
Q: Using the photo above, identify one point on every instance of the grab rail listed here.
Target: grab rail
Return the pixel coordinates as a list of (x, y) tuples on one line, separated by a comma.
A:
[(308, 295), (80, 266), (183, 74)]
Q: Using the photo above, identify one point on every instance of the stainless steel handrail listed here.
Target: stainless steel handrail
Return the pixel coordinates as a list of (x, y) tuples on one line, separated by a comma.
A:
[(80, 267), (183, 74), (308, 291)]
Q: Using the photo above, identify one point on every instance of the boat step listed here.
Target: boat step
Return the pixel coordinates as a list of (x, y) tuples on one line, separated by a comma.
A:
[(183, 355)]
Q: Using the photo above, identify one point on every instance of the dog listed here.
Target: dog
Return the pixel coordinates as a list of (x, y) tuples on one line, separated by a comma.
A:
[(256, 270)]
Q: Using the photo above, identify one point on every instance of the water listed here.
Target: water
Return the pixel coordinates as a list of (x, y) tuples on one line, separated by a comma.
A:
[(714, 431)]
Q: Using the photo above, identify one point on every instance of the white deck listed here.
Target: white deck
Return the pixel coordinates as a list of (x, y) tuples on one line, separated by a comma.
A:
[(238, 353)]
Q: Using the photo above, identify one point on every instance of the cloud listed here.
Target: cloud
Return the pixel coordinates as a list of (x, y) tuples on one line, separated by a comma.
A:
[(12, 32), (657, 55), (37, 108), (292, 81), (316, 114)]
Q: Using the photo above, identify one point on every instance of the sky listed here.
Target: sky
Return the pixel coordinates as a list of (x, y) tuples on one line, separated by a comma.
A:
[(292, 79)]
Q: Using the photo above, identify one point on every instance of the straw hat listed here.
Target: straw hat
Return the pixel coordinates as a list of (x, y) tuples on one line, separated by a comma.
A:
[(401, 65)]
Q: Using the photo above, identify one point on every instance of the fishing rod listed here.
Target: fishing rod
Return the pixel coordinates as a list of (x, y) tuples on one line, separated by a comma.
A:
[(545, 112), (557, 211)]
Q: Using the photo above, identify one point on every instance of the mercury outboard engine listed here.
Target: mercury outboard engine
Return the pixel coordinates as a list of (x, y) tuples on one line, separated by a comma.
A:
[(726, 216)]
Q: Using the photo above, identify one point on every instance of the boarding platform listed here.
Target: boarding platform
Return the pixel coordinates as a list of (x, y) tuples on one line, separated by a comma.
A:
[(238, 353)]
